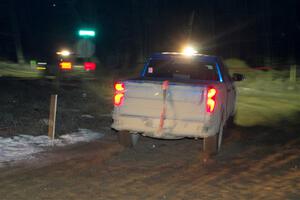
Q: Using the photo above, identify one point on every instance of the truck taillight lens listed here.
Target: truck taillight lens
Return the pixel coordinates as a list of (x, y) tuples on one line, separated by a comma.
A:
[(119, 93), (118, 99), (89, 66), (211, 100), (119, 87), (65, 65)]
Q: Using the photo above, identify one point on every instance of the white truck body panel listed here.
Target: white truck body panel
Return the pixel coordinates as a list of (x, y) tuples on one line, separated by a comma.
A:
[(186, 114)]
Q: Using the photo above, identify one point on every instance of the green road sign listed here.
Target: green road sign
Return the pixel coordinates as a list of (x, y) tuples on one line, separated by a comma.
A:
[(86, 33)]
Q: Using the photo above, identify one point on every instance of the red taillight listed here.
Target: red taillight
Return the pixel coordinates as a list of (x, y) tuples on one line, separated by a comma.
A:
[(89, 66), (119, 93), (118, 99), (65, 65), (211, 100), (119, 87)]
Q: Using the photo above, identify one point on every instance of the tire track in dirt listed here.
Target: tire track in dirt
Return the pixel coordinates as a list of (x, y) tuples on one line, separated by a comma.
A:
[(253, 173)]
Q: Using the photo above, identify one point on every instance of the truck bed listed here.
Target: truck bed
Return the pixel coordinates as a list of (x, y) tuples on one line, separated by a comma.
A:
[(144, 103)]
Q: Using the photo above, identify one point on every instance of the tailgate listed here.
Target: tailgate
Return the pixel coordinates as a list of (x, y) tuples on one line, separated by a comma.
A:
[(145, 99)]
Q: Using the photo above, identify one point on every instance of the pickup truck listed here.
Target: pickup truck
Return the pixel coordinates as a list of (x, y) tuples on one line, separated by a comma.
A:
[(176, 96), (73, 67)]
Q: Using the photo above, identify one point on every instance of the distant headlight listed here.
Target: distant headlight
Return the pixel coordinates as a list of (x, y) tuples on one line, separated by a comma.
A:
[(64, 53), (189, 51)]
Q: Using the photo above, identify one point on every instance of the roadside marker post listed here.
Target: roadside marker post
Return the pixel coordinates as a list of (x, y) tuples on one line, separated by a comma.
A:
[(52, 116)]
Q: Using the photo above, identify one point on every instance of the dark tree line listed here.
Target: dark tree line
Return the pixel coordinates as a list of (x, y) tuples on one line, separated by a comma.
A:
[(261, 32)]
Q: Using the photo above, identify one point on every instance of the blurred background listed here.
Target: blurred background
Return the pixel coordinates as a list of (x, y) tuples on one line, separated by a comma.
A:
[(256, 38)]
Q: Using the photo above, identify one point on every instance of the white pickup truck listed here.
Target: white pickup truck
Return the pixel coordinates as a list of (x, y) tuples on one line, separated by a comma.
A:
[(176, 96)]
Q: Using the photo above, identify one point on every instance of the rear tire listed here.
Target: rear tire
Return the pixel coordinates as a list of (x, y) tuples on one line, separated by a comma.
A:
[(134, 138), (228, 126), (230, 121), (210, 146), (220, 138), (127, 139)]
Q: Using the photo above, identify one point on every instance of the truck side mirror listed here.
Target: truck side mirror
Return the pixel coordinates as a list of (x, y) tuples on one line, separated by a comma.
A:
[(238, 77)]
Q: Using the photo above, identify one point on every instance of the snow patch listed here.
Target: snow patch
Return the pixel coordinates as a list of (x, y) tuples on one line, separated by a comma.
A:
[(25, 146)]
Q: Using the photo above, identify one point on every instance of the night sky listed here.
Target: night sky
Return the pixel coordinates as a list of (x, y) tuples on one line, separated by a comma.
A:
[(259, 31)]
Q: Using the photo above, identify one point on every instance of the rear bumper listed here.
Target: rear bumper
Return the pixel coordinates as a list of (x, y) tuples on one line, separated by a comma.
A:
[(172, 129)]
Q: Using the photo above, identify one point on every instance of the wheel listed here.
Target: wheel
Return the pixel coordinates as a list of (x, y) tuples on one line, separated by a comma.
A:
[(220, 136), (228, 126), (127, 139), (212, 144), (134, 138), (230, 121)]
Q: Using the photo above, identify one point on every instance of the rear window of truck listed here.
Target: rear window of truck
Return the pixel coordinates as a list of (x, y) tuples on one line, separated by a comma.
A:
[(183, 68)]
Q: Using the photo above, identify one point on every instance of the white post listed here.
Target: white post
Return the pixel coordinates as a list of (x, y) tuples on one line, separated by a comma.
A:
[(52, 116)]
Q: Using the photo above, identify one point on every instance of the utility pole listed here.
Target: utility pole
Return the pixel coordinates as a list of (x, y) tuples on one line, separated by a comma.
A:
[(16, 32), (268, 33)]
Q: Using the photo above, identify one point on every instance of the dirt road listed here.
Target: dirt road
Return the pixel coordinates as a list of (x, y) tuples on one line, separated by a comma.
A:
[(256, 163)]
